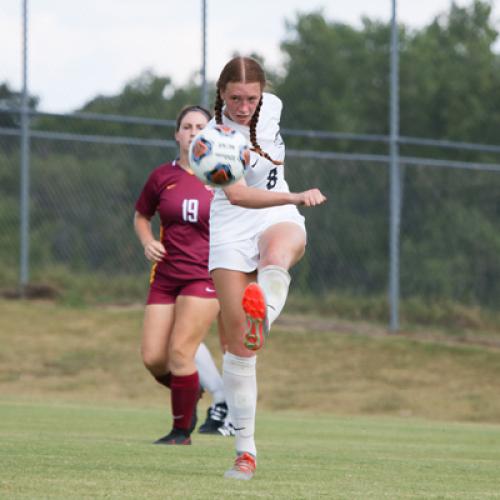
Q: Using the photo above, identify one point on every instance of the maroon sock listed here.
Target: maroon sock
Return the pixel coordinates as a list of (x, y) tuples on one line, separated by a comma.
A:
[(165, 379), (184, 396)]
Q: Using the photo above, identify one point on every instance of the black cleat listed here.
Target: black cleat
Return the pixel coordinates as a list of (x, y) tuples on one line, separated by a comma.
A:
[(216, 415), (176, 436)]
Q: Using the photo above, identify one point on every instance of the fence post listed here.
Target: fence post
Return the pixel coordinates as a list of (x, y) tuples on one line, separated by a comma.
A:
[(204, 89), (395, 180), (25, 164)]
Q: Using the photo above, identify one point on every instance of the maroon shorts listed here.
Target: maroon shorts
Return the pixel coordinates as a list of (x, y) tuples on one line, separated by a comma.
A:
[(166, 292)]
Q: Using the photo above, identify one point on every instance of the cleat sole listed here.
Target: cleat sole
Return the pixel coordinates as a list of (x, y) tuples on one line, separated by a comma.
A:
[(254, 305)]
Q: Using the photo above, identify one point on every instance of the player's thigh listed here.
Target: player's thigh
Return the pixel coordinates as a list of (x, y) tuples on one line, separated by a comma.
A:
[(193, 317), (282, 244), (158, 323)]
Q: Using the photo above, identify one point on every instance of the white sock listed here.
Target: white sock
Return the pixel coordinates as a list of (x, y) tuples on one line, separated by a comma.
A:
[(210, 378), (275, 281), (240, 384)]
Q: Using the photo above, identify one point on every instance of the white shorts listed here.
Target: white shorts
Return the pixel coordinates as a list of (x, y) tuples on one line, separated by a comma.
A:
[(243, 255)]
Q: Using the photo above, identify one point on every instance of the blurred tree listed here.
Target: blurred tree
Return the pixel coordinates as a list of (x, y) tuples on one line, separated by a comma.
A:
[(450, 76), (449, 90), (148, 95), (337, 79), (336, 76), (10, 104)]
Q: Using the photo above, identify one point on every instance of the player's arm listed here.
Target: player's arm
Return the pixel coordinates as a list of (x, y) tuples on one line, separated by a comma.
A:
[(244, 196), (153, 249)]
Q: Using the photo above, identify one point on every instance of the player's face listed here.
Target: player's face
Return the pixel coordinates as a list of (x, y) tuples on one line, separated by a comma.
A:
[(241, 100), (192, 123)]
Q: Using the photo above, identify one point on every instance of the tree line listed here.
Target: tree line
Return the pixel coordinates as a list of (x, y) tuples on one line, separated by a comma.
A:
[(335, 77)]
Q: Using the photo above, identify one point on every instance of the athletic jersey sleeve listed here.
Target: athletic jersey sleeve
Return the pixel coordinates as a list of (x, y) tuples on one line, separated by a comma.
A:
[(268, 126), (149, 198)]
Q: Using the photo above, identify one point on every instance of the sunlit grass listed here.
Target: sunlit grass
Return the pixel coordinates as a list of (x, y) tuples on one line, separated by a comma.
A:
[(52, 450)]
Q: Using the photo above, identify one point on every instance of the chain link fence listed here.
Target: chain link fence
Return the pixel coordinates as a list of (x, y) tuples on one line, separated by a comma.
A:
[(83, 248)]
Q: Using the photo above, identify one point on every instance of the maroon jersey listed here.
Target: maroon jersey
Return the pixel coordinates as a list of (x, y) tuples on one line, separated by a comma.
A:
[(183, 204)]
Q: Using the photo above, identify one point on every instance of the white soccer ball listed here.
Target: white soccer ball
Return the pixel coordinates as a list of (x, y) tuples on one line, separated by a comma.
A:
[(219, 156)]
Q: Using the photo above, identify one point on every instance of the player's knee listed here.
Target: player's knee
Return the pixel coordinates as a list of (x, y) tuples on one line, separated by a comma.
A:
[(235, 330), (282, 256), (155, 362), (276, 257)]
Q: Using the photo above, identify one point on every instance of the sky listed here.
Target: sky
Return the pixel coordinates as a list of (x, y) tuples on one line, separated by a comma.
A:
[(78, 50)]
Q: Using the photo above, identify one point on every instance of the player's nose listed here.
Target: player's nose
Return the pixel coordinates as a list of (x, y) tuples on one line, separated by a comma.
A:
[(244, 107)]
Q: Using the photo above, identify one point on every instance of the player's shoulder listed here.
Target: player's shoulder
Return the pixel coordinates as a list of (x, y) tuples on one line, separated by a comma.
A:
[(170, 168), (163, 172), (163, 168), (272, 102), (269, 118), (211, 123), (270, 112)]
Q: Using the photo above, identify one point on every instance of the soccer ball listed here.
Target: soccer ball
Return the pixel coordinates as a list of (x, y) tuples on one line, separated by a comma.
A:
[(219, 156)]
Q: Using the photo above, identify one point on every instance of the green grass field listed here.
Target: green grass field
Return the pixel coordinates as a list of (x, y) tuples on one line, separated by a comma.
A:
[(88, 451), (345, 411)]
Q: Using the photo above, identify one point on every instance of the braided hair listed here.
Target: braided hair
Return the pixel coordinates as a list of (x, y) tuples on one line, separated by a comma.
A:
[(246, 70)]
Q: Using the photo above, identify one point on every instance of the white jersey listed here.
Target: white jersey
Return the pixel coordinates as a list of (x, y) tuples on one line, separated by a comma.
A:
[(229, 223)]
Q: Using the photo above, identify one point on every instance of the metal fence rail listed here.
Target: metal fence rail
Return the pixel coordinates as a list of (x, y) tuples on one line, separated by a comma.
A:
[(83, 188)]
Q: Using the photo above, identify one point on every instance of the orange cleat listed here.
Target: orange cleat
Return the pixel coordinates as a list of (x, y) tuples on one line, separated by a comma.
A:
[(243, 468), (254, 305)]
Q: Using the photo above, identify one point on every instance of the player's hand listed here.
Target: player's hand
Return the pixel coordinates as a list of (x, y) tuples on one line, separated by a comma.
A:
[(154, 251), (311, 198)]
